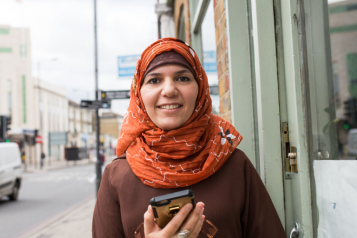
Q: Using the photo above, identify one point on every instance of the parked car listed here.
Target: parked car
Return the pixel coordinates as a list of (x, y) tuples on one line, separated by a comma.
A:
[(352, 144), (10, 170)]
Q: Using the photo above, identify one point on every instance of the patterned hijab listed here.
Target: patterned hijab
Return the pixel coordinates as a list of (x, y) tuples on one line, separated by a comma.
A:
[(180, 157)]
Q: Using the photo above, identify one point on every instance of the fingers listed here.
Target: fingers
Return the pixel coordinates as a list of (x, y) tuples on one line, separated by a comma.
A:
[(172, 227), (149, 223), (198, 227), (195, 220)]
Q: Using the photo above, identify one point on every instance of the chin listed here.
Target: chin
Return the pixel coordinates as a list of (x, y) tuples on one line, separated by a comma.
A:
[(169, 126)]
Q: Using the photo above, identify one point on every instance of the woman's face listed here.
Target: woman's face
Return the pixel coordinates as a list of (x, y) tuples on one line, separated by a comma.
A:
[(169, 93)]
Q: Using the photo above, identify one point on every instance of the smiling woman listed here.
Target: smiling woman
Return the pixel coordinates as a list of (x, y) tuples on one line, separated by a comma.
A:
[(170, 140), (169, 92)]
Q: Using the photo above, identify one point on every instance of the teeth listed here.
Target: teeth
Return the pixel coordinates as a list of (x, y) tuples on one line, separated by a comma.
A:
[(169, 106)]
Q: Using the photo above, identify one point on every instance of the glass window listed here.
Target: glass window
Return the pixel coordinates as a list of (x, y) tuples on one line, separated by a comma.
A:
[(23, 51), (209, 56), (71, 114), (182, 27), (78, 127), (71, 126), (78, 115), (335, 84), (343, 35)]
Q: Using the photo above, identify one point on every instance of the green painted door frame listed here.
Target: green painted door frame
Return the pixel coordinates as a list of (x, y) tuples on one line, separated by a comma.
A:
[(255, 90), (280, 72)]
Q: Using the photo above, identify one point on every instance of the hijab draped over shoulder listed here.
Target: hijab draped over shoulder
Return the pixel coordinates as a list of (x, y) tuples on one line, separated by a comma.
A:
[(180, 157)]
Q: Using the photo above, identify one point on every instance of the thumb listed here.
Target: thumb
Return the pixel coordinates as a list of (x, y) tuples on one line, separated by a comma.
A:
[(149, 223)]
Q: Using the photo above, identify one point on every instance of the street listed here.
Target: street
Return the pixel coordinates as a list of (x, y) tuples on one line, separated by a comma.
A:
[(44, 197)]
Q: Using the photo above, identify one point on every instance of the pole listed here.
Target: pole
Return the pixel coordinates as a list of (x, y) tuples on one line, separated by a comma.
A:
[(98, 167), (40, 109)]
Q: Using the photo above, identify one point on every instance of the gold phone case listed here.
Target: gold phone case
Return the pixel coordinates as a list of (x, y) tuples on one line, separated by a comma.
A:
[(167, 206)]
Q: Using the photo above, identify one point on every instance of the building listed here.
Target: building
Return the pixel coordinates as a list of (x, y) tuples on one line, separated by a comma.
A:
[(17, 88), (51, 112), (284, 71), (110, 124), (81, 133)]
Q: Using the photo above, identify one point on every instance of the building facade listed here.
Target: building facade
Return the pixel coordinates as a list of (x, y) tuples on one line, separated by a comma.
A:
[(51, 111), (17, 88), (81, 133), (110, 124)]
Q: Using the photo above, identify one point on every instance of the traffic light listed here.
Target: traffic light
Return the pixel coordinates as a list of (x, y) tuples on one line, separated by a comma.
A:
[(5, 122), (350, 110), (346, 126)]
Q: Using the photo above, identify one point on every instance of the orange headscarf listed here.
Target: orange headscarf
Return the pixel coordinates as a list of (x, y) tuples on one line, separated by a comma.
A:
[(181, 157)]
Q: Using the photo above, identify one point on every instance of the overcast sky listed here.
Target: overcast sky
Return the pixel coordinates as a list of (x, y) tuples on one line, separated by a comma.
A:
[(64, 29)]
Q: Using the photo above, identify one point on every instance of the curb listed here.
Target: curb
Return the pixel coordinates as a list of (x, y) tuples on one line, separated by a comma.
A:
[(60, 221), (56, 168)]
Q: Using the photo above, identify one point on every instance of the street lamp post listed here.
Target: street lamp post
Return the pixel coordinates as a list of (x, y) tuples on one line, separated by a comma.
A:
[(40, 100), (98, 166)]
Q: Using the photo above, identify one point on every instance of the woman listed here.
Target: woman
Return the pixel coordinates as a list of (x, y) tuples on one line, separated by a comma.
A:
[(169, 141)]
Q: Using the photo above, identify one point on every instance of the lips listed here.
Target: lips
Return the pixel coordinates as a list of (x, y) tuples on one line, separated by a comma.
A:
[(170, 106)]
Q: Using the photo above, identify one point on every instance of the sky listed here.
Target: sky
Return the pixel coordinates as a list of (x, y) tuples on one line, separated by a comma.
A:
[(64, 30)]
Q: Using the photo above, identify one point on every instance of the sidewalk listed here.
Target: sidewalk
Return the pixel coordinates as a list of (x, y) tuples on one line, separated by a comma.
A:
[(74, 224), (55, 164)]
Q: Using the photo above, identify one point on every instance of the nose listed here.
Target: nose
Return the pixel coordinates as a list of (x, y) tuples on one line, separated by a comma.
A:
[(169, 88)]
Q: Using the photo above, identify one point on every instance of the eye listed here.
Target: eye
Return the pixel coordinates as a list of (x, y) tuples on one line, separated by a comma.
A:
[(183, 79), (153, 81)]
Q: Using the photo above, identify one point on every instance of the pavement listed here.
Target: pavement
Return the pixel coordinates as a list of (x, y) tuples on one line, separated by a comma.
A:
[(76, 222), (55, 164)]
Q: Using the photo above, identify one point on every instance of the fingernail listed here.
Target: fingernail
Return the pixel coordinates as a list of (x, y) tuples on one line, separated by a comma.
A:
[(203, 217), (202, 210), (201, 205), (149, 210), (188, 206)]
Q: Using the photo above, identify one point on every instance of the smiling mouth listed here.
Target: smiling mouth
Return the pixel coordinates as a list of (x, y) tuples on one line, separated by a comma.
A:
[(170, 107)]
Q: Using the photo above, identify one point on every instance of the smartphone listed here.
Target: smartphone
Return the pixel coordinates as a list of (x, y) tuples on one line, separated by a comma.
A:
[(165, 207)]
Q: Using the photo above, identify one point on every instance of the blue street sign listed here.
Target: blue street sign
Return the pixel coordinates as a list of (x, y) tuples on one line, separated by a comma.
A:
[(210, 61), (126, 65)]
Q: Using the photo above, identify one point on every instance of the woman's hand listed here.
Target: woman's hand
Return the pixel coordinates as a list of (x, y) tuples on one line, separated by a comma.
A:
[(193, 224)]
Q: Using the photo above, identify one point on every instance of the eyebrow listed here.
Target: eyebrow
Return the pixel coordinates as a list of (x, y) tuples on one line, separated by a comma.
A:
[(177, 72)]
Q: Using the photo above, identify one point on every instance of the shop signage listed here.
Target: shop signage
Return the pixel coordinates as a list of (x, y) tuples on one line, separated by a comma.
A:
[(57, 138), (210, 61), (119, 94), (126, 65), (95, 104), (38, 139)]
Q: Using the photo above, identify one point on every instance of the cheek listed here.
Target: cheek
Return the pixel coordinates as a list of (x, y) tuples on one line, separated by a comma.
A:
[(147, 98), (191, 97)]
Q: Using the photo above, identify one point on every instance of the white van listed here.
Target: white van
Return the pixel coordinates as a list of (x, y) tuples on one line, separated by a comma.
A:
[(10, 170)]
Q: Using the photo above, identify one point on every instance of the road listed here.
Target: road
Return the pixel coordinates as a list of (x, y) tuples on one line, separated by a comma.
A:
[(45, 196)]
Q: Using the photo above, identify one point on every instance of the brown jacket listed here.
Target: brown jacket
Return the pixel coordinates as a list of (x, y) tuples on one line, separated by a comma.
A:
[(236, 202)]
